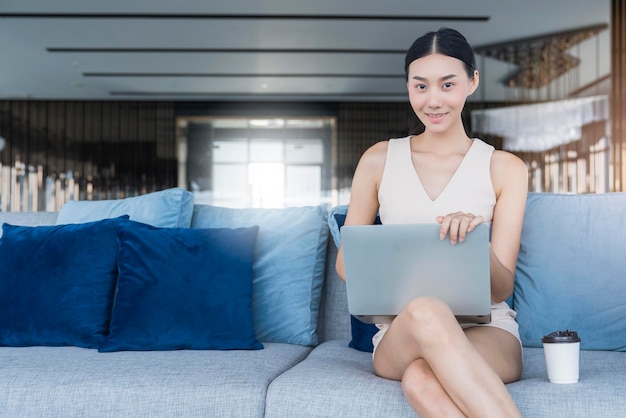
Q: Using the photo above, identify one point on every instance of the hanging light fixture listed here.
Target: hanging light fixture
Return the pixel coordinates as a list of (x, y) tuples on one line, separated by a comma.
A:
[(542, 59)]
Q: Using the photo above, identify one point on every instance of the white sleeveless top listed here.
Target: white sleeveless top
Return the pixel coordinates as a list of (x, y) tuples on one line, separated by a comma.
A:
[(403, 199), (402, 196)]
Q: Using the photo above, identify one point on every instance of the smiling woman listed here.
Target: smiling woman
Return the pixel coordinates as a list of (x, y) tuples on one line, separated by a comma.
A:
[(444, 177)]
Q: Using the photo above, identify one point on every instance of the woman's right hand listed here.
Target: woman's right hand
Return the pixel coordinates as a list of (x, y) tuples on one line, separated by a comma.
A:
[(457, 225)]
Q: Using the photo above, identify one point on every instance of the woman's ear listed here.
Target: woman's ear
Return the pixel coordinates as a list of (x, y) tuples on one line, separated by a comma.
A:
[(474, 81)]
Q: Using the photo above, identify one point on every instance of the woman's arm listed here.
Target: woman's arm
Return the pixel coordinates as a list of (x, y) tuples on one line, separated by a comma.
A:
[(364, 193), (510, 180)]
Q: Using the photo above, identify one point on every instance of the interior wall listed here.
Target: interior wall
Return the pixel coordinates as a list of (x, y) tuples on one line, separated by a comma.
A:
[(83, 149), (61, 150)]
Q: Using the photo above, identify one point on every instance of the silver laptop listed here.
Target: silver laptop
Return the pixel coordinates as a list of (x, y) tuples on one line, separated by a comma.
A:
[(387, 266)]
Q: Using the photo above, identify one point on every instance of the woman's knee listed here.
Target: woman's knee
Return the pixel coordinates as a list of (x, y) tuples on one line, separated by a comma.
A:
[(427, 305), (428, 313), (431, 322)]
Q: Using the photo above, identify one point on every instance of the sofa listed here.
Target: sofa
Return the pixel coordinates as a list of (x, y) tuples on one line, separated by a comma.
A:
[(285, 345)]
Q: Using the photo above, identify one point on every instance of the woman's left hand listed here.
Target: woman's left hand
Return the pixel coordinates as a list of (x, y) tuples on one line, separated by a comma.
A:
[(457, 225)]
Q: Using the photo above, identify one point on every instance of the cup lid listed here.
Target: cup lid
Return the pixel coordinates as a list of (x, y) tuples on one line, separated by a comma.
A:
[(561, 337)]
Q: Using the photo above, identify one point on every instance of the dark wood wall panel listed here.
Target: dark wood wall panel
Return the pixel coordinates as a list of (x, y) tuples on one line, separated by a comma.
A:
[(100, 150), (361, 125)]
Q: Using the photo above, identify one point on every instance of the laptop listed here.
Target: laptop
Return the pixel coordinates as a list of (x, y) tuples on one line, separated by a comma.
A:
[(387, 266)]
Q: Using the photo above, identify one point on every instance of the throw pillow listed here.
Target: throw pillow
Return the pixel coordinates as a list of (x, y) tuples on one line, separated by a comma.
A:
[(289, 266), (57, 283), (171, 208), (182, 288), (570, 269), (362, 335), (361, 332)]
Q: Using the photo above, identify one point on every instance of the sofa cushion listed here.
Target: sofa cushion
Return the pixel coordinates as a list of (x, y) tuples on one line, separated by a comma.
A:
[(167, 208), (290, 258), (182, 288), (599, 392), (57, 283), (335, 381), (75, 382), (334, 323), (571, 272)]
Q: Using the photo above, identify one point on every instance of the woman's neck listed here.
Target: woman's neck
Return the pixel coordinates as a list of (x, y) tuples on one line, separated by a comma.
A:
[(451, 138)]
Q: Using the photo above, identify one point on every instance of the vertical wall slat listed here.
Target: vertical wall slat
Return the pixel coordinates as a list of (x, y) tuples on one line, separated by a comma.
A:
[(618, 93)]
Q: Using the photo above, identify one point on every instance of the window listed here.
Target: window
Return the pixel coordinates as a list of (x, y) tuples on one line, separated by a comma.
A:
[(258, 163)]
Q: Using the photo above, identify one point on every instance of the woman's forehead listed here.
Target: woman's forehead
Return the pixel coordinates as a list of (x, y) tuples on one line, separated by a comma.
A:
[(435, 65)]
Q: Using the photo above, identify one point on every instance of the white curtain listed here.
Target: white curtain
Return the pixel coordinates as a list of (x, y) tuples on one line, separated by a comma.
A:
[(542, 126)]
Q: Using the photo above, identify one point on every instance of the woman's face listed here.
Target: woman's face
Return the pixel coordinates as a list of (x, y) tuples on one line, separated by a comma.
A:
[(438, 86)]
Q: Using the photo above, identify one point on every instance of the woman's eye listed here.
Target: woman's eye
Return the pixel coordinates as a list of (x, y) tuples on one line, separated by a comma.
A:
[(447, 85), (420, 87)]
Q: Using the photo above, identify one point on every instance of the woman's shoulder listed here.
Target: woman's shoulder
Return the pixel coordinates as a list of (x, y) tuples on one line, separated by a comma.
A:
[(376, 152), (372, 162), (380, 148), (376, 155), (507, 167), (504, 160), (500, 160)]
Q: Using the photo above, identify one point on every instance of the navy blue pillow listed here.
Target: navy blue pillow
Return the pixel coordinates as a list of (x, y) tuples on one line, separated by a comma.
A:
[(182, 288), (57, 283), (362, 333)]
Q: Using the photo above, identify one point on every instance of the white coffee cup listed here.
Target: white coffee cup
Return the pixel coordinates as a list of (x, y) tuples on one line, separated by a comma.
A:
[(562, 352)]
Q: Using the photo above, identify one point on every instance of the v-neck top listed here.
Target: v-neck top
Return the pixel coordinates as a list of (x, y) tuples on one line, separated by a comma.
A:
[(403, 198)]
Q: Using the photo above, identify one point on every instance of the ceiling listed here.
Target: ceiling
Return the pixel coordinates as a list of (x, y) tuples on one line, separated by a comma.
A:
[(240, 50)]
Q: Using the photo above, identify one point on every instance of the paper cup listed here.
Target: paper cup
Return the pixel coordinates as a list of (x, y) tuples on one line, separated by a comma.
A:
[(562, 352)]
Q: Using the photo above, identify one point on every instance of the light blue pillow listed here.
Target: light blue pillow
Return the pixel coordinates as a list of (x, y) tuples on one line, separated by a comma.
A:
[(290, 259), (338, 212), (170, 208), (571, 269), (181, 288)]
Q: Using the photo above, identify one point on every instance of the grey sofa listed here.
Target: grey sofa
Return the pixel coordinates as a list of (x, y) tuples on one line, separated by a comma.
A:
[(572, 239)]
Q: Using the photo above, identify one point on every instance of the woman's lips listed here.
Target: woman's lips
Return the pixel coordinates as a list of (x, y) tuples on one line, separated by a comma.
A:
[(435, 117)]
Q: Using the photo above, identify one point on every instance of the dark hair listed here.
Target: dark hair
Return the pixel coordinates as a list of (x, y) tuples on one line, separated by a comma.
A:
[(445, 41)]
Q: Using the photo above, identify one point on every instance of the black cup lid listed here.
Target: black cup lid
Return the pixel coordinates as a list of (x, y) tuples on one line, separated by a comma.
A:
[(561, 337)]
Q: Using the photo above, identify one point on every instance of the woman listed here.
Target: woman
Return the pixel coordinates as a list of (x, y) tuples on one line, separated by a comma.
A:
[(442, 175)]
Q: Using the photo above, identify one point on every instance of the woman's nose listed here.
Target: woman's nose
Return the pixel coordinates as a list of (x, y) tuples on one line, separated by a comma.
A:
[(433, 100)]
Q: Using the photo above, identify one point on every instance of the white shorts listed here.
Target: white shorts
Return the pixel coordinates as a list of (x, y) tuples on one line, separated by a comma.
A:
[(502, 316)]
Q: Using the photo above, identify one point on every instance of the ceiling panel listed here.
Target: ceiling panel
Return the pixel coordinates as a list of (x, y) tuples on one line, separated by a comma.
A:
[(259, 50)]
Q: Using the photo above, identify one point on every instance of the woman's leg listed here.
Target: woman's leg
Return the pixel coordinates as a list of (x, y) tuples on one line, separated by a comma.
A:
[(453, 372), (500, 349), (424, 392)]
